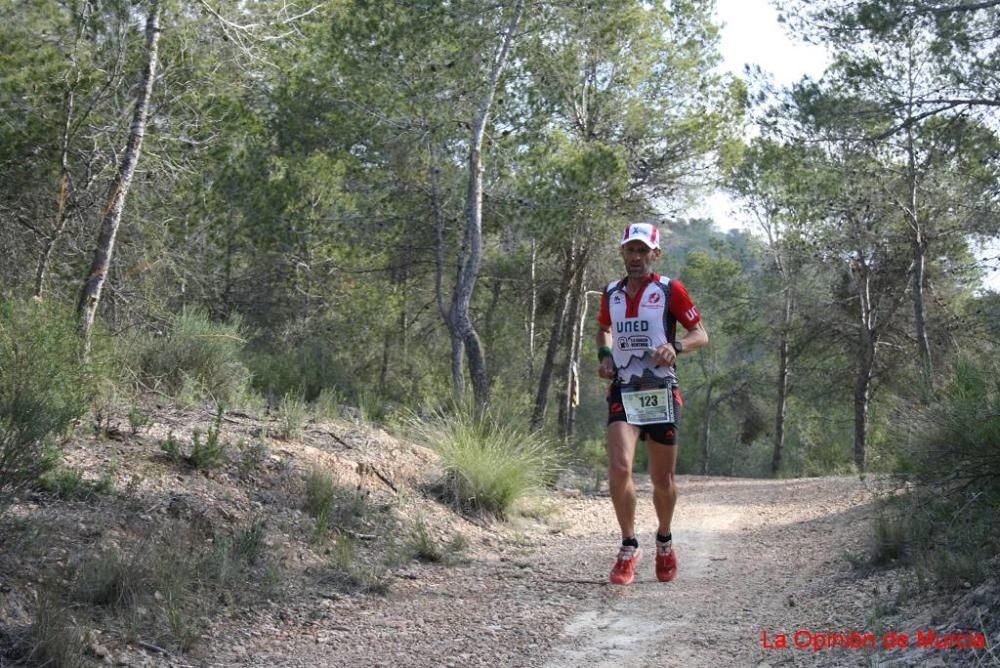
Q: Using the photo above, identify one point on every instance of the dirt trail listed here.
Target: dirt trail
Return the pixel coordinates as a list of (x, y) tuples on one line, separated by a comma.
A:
[(749, 550), (754, 555)]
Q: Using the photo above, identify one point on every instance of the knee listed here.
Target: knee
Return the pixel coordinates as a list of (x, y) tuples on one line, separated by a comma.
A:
[(665, 483), (619, 469)]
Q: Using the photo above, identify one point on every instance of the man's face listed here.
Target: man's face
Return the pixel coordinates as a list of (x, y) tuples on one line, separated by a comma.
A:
[(639, 258)]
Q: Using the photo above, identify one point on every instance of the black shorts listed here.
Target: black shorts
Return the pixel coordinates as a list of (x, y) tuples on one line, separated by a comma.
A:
[(665, 432)]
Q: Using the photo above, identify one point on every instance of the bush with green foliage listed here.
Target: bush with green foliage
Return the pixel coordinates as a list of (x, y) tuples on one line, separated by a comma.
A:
[(208, 451), (177, 577), (352, 569), (945, 525), (957, 437), (197, 360), (489, 464), (69, 483), (55, 639), (335, 506), (44, 387), (211, 452), (291, 416)]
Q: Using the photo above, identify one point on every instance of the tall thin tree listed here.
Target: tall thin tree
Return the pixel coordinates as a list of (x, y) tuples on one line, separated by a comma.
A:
[(111, 215)]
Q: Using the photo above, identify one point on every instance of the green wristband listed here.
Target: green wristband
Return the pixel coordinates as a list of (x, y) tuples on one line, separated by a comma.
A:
[(603, 352)]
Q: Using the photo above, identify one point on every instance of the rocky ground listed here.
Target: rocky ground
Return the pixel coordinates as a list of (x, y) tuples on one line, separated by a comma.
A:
[(761, 562)]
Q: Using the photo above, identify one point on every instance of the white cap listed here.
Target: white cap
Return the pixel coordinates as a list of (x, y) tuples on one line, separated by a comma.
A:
[(644, 232)]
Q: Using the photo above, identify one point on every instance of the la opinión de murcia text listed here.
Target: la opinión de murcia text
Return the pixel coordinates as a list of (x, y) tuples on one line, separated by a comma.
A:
[(817, 641)]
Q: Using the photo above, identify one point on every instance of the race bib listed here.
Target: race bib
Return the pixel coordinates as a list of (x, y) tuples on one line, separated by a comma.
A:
[(648, 406)]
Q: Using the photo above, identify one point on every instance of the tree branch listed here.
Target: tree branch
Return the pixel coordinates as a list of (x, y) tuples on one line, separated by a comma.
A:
[(940, 10)]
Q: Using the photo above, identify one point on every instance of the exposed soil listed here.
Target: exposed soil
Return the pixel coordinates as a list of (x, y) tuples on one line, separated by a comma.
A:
[(755, 557)]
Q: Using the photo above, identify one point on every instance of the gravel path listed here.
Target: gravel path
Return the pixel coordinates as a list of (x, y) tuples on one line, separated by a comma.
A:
[(754, 556)]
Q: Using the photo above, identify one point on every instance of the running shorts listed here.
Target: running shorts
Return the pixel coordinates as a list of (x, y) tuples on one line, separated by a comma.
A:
[(664, 433)]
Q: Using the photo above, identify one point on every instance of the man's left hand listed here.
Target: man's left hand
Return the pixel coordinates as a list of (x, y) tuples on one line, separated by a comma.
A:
[(665, 355)]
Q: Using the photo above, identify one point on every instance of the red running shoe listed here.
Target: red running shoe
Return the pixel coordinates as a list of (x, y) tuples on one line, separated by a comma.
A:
[(624, 570), (666, 562)]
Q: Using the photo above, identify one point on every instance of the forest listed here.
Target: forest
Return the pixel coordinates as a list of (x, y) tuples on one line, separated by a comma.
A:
[(413, 205)]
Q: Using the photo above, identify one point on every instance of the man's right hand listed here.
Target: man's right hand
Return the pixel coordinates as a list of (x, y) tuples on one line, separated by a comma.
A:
[(607, 369)]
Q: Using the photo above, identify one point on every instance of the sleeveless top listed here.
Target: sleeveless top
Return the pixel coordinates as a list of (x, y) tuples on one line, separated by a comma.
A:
[(642, 324)]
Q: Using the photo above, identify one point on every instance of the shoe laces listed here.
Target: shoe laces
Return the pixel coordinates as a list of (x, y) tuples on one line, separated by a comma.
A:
[(626, 553), (663, 549)]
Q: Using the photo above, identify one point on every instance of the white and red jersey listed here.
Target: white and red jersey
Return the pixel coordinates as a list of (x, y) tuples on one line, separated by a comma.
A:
[(642, 324)]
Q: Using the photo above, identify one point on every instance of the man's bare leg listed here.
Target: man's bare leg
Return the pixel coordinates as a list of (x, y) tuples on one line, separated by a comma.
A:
[(662, 462), (621, 452)]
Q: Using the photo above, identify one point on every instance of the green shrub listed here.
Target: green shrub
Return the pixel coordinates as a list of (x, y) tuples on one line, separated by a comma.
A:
[(950, 464), (69, 483), (891, 538), (43, 389), (355, 570), (957, 439), (55, 638), (210, 453), (248, 542), (335, 506), (137, 420), (488, 464), (231, 555), (327, 404), (251, 456), (321, 490), (421, 545), (177, 578), (208, 450), (112, 579), (291, 416), (197, 360), (371, 406), (171, 447)]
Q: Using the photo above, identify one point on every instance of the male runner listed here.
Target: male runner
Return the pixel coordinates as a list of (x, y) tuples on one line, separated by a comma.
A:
[(637, 349)]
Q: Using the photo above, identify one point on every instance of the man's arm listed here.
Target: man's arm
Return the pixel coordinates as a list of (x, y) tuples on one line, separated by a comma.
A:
[(694, 338), (607, 368)]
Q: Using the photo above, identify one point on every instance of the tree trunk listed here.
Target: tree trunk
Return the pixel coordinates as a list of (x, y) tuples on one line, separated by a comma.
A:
[(111, 216), (531, 312), (577, 305), (862, 392), (473, 243), (60, 220), (867, 338), (575, 389), (919, 316), (782, 383), (383, 371), (489, 323), (706, 430), (555, 338), (457, 347), (227, 268), (457, 368), (919, 261)]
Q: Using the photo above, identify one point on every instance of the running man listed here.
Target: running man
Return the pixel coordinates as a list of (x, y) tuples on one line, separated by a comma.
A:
[(637, 347)]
